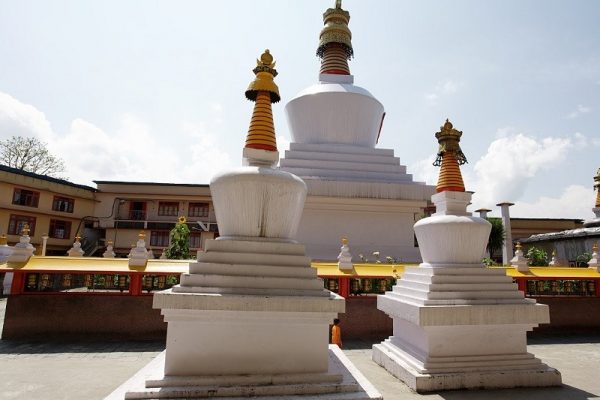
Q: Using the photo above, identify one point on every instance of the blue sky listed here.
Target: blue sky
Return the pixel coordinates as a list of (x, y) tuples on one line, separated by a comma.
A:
[(153, 90)]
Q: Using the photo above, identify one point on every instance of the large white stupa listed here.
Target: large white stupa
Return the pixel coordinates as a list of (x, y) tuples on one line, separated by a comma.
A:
[(354, 189)]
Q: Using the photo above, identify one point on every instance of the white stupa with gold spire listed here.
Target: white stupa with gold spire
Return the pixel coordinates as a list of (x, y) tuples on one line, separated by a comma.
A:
[(251, 318), (458, 324), (354, 188)]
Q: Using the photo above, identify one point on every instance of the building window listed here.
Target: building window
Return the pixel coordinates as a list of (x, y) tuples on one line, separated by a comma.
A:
[(159, 238), (198, 210), (169, 208), (17, 223), (64, 204), (27, 198), (137, 210), (195, 240), (59, 229)]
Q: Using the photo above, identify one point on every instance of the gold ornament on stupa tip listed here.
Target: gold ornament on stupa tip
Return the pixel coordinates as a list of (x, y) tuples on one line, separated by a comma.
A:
[(25, 231), (597, 187), (449, 157), (265, 72), (263, 91), (335, 41), (344, 240), (142, 235)]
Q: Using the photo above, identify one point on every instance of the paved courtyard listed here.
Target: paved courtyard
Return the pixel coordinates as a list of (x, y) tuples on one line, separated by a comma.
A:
[(92, 370)]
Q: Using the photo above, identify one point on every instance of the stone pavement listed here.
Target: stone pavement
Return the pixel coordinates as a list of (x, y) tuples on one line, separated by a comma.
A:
[(52, 371)]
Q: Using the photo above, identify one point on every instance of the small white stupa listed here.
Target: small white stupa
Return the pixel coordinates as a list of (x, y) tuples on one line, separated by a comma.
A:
[(345, 258), (354, 188), (23, 250), (109, 253), (138, 256), (519, 262), (76, 250), (251, 318), (5, 249), (594, 261), (458, 324)]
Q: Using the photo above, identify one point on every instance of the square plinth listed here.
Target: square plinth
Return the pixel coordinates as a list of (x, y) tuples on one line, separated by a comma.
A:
[(341, 381)]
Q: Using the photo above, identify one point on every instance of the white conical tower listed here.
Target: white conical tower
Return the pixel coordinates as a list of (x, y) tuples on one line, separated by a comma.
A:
[(251, 318), (458, 324), (335, 126)]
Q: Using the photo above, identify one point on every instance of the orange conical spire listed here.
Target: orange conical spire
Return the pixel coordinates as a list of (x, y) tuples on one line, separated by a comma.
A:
[(597, 187), (335, 45), (449, 156), (263, 91)]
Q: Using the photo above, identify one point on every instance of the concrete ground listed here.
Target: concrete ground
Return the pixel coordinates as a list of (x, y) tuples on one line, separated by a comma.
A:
[(52, 371)]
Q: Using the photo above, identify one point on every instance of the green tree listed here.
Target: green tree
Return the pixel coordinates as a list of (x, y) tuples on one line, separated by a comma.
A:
[(180, 241), (31, 155), (496, 239), (537, 257)]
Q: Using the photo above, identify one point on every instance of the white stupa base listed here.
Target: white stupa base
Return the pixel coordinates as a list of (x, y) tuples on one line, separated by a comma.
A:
[(502, 371), (341, 381)]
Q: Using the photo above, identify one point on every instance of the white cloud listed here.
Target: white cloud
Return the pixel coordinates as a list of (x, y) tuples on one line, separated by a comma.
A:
[(441, 89), (424, 171), (131, 153), (20, 119), (510, 163), (575, 201), (581, 109)]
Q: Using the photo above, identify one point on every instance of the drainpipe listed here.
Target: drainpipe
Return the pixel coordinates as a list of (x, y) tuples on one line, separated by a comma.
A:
[(507, 248)]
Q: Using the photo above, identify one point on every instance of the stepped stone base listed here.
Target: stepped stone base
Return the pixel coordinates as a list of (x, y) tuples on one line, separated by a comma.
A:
[(342, 381), (497, 375)]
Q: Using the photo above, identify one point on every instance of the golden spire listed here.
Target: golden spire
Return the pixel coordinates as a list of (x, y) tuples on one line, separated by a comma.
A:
[(597, 187), (449, 156), (141, 235), (335, 41), (263, 91)]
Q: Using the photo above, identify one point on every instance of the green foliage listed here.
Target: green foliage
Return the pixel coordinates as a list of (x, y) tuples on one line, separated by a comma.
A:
[(180, 241), (496, 239), (488, 262), (583, 259), (537, 257)]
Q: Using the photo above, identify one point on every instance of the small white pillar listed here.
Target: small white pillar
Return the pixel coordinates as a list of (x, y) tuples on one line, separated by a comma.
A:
[(519, 261), (507, 253), (345, 258), (76, 250), (44, 243), (163, 255)]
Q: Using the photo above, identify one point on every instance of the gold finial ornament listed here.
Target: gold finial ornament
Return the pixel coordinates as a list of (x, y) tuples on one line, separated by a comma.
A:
[(345, 241), (263, 91), (597, 187), (449, 157), (25, 231), (265, 72), (335, 41), (594, 247), (518, 246), (142, 235)]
